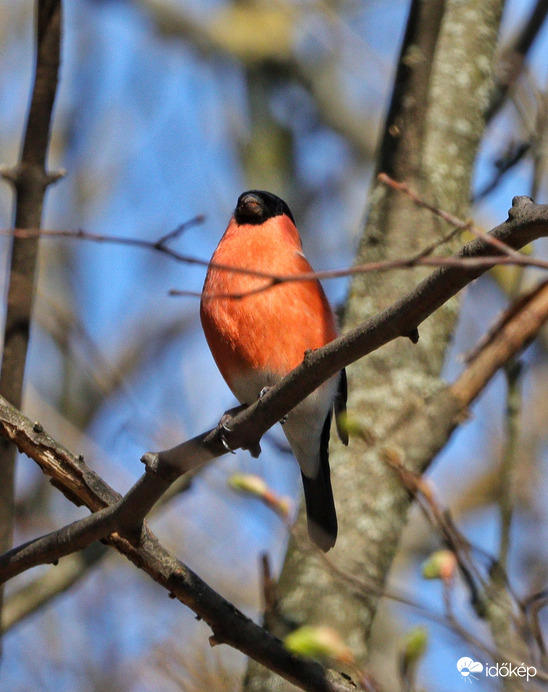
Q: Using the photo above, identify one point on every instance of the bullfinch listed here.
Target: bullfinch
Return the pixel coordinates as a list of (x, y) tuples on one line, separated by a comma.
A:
[(258, 336)]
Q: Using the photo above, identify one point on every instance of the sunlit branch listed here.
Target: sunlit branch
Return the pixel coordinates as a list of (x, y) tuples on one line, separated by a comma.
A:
[(482, 263), (450, 218), (526, 222), (249, 426), (402, 319), (508, 255), (229, 625)]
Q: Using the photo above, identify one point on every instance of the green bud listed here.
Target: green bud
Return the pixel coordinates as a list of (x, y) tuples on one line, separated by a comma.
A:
[(440, 565), (321, 643)]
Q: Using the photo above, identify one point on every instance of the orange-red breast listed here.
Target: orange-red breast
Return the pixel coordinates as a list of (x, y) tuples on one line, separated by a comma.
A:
[(256, 337)]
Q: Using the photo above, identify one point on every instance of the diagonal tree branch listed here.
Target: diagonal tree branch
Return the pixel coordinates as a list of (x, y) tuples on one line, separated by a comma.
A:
[(512, 57), (228, 624), (526, 222), (34, 595), (114, 514), (442, 414)]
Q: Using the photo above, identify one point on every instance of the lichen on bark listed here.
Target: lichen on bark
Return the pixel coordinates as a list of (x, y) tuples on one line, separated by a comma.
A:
[(432, 133)]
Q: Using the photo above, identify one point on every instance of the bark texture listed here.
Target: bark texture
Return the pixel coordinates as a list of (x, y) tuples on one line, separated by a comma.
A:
[(433, 129), (30, 181)]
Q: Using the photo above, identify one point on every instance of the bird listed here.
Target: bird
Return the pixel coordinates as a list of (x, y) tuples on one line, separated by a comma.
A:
[(258, 331)]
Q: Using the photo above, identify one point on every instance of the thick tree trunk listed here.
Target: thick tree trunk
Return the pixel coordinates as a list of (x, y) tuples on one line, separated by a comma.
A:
[(433, 129)]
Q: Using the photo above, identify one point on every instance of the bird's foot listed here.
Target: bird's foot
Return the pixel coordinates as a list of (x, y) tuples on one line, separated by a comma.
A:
[(223, 426), (263, 391)]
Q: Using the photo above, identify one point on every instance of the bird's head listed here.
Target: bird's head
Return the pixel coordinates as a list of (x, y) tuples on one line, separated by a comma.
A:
[(257, 206)]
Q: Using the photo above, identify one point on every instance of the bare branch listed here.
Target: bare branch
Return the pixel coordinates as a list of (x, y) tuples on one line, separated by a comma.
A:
[(526, 222), (34, 595), (506, 254), (30, 180), (229, 625), (512, 56)]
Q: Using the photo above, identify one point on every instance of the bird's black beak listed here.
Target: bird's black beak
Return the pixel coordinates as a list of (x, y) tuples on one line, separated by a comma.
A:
[(250, 206)]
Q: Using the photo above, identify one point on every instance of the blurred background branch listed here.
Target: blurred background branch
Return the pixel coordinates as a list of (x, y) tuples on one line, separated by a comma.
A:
[(30, 179), (168, 110)]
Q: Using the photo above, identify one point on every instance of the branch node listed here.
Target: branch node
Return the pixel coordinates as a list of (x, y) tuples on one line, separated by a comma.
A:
[(134, 534), (151, 461), (308, 356), (30, 174), (10, 174), (413, 335), (53, 176), (213, 641), (518, 203)]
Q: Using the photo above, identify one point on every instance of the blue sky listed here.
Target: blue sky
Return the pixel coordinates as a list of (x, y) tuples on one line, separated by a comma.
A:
[(148, 131)]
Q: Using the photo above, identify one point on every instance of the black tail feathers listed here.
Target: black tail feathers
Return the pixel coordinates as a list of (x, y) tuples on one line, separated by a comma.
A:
[(318, 495)]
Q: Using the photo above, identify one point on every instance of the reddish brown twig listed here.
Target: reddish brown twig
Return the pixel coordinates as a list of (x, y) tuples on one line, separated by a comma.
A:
[(450, 218), (423, 258)]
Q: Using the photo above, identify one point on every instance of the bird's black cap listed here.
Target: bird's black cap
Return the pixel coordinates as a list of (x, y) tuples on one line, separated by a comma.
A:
[(256, 206)]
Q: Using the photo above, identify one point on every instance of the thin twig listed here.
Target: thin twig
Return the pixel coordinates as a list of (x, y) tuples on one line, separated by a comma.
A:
[(448, 217), (248, 426), (508, 257), (527, 221), (482, 594), (510, 456), (177, 232)]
